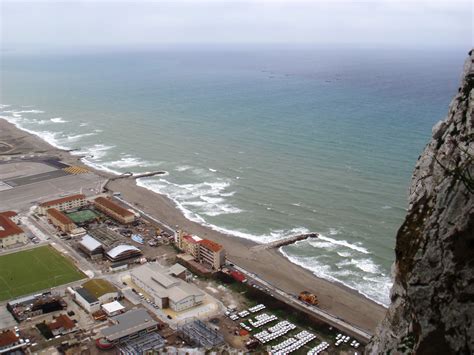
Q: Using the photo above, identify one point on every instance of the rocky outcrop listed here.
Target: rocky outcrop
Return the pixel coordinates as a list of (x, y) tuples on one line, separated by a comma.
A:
[(432, 298)]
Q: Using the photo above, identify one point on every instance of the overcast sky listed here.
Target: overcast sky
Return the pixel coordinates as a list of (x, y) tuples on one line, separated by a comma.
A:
[(140, 23)]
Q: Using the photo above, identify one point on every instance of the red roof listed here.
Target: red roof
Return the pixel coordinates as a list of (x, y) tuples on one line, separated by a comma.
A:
[(59, 216), (209, 244), (8, 214), (62, 200), (8, 227), (105, 202), (8, 338), (63, 321), (191, 239), (238, 276)]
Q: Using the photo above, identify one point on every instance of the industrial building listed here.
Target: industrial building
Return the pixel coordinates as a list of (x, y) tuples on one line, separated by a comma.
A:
[(10, 232), (123, 252), (111, 209), (166, 290), (30, 306), (197, 333), (204, 251), (91, 247), (60, 220), (95, 292), (64, 204), (129, 325)]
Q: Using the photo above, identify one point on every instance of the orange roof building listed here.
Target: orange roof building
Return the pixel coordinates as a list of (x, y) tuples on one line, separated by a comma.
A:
[(112, 209), (211, 253), (62, 325), (9, 341), (10, 232), (64, 203), (60, 220)]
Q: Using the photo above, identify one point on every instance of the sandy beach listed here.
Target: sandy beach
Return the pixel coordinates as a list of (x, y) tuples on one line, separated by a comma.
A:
[(270, 265)]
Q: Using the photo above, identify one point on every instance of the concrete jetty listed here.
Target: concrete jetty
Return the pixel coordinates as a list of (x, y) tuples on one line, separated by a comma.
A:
[(137, 176), (285, 241)]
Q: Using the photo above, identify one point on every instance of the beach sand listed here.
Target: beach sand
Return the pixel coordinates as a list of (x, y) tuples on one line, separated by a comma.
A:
[(270, 265)]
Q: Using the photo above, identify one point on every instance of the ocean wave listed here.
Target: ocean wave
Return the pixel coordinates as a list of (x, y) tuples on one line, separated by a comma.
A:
[(2, 106), (374, 287), (76, 137), (129, 161), (58, 120), (212, 170), (187, 198), (344, 243), (183, 168)]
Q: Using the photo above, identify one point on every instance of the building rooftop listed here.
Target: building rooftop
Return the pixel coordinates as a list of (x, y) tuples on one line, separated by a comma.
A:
[(62, 321), (177, 269), (112, 307), (58, 215), (209, 244), (62, 200), (99, 287), (105, 202), (8, 214), (8, 338), (122, 248), (8, 227), (192, 239), (163, 284), (89, 297), (128, 323), (90, 243)]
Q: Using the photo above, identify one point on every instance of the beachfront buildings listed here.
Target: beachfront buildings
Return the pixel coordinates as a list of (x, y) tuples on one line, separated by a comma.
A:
[(123, 252), (60, 220), (204, 251), (64, 204), (113, 210), (166, 290), (10, 232)]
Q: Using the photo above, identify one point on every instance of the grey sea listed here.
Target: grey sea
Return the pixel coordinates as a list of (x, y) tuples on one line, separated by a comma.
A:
[(260, 143)]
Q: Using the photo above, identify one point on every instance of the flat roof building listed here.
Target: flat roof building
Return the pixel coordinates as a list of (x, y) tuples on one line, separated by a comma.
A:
[(10, 232), (112, 209), (167, 291), (129, 325), (64, 203), (113, 308)]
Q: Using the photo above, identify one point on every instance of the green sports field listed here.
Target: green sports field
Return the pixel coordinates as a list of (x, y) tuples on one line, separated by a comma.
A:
[(82, 216), (33, 270)]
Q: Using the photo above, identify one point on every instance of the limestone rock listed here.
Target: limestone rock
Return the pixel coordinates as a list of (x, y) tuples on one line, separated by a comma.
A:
[(432, 299)]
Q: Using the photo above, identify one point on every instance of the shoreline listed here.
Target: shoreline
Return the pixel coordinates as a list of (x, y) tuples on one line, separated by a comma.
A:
[(271, 265)]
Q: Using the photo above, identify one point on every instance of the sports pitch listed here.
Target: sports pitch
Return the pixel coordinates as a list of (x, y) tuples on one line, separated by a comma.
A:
[(33, 270), (82, 216)]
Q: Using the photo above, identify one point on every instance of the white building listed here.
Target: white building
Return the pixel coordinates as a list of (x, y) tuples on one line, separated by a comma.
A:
[(166, 290)]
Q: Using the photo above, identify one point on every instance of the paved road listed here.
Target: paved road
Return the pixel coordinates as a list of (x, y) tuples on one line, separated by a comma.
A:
[(320, 314)]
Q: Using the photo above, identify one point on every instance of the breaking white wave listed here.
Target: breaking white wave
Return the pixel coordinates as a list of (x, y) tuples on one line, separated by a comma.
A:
[(373, 286), (58, 120), (76, 137), (212, 170), (204, 198), (344, 243), (183, 168), (129, 161)]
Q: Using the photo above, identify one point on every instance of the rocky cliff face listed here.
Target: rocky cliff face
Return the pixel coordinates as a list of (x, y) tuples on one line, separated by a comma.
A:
[(432, 299)]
